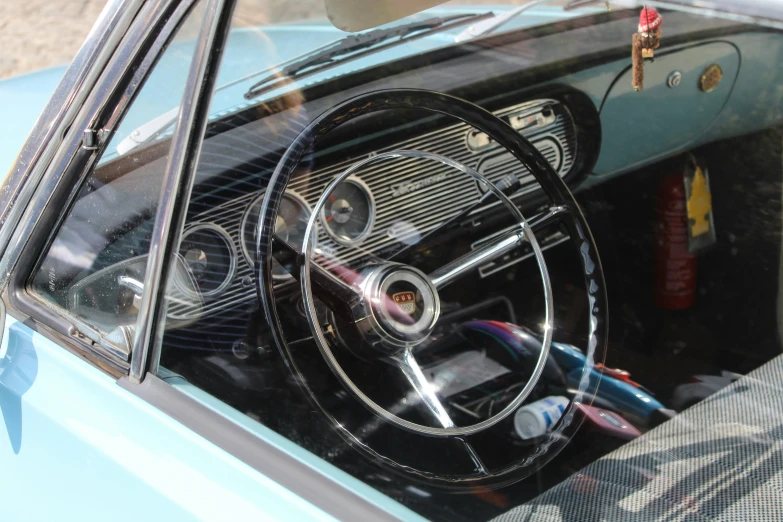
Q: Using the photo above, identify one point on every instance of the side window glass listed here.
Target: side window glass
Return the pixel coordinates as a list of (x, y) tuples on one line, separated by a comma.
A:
[(94, 268), (413, 292)]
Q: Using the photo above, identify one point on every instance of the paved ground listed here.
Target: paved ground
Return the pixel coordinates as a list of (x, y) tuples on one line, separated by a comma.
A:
[(40, 33)]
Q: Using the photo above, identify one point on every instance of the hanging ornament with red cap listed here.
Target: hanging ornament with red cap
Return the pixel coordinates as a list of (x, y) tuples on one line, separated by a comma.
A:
[(645, 42)]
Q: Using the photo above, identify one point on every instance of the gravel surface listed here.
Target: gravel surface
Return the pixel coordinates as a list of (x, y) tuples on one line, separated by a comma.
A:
[(35, 34), (40, 33)]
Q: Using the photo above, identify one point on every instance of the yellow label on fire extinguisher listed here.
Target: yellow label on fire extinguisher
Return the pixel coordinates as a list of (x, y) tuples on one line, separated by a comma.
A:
[(698, 199), (699, 204)]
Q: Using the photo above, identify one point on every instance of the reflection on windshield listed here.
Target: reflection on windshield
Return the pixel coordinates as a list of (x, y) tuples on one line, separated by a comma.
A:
[(286, 60)]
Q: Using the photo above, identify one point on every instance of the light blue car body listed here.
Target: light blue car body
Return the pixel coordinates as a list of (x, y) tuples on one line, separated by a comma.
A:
[(76, 446)]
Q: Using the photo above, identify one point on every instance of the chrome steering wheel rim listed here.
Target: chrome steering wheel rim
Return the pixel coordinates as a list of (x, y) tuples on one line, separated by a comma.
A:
[(405, 352)]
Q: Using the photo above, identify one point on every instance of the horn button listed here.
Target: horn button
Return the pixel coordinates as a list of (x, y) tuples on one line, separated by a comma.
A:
[(399, 309)]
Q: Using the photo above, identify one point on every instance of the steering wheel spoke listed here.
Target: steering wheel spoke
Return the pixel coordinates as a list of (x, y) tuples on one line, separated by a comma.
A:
[(548, 217), (467, 263), (334, 289), (407, 363), (409, 366), (493, 249)]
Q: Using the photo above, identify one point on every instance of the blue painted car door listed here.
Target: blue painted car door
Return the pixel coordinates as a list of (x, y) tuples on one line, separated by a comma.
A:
[(76, 446)]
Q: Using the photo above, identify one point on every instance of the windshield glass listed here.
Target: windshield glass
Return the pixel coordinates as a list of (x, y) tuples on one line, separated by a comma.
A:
[(266, 43)]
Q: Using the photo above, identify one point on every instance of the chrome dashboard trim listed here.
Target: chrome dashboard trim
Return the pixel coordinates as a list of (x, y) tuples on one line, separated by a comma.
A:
[(556, 140)]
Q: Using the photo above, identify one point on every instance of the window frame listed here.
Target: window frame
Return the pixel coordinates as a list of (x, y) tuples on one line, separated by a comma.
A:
[(178, 180), (139, 47)]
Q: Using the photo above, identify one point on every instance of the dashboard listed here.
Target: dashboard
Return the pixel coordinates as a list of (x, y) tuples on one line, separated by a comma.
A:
[(574, 111), (376, 207)]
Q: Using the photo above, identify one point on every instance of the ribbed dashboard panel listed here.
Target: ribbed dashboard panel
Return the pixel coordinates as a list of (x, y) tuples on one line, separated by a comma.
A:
[(425, 193)]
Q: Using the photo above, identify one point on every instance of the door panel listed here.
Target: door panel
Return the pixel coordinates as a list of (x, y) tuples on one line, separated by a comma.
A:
[(75, 446)]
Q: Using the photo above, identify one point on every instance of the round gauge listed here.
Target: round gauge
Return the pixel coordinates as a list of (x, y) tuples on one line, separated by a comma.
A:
[(290, 225), (210, 256), (349, 212)]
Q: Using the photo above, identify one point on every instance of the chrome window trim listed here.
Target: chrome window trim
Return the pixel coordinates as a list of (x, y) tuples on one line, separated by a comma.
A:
[(178, 182), (104, 102), (49, 132)]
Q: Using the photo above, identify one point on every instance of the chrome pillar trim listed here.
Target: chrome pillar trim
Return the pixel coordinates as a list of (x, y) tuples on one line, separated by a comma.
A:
[(49, 131), (88, 100), (64, 171), (178, 182)]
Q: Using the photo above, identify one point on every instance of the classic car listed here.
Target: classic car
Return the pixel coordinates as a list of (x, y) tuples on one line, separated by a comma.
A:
[(339, 259)]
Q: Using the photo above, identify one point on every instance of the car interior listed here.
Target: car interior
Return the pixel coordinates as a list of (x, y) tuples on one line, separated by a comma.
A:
[(491, 278)]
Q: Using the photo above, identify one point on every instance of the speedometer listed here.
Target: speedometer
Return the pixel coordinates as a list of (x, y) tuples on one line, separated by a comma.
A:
[(349, 212), (290, 225)]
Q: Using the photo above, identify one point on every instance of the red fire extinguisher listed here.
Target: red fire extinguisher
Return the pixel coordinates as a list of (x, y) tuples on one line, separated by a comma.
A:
[(675, 266)]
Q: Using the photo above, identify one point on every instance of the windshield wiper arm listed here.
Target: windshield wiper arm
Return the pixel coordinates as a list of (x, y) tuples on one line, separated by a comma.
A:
[(487, 26), (346, 49), (354, 47)]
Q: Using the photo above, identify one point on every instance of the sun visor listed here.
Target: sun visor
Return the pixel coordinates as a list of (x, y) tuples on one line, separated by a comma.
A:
[(358, 15)]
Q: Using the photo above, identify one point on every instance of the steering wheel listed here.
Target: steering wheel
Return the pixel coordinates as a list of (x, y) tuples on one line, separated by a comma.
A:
[(395, 307)]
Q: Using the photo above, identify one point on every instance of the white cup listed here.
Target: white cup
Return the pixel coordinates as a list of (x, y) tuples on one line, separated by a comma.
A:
[(537, 418)]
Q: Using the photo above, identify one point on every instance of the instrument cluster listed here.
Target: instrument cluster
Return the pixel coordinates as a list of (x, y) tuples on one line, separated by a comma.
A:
[(212, 254)]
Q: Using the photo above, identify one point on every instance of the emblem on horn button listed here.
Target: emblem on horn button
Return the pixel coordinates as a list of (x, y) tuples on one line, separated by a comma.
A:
[(405, 301)]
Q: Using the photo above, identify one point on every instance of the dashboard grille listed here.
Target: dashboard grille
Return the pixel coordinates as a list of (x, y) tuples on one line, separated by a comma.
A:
[(425, 193)]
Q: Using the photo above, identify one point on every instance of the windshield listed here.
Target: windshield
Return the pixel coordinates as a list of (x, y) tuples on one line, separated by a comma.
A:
[(266, 44)]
